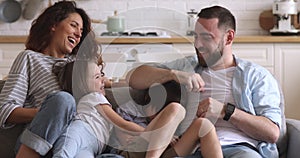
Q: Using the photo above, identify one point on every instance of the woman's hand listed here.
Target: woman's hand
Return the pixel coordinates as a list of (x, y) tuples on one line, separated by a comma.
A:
[(22, 115)]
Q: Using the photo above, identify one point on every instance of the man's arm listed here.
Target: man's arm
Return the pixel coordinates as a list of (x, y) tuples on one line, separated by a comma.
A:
[(145, 76), (263, 124), (257, 127)]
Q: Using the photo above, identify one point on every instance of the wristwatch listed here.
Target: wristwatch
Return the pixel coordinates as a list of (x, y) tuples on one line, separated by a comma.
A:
[(229, 109)]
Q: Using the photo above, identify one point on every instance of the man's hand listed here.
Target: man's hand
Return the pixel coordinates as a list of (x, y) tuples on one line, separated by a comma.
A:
[(211, 109), (192, 81)]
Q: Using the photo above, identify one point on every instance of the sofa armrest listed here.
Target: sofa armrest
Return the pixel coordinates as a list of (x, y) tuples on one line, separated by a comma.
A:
[(293, 130)]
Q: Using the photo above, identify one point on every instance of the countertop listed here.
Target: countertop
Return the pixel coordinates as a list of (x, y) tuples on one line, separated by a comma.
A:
[(172, 39)]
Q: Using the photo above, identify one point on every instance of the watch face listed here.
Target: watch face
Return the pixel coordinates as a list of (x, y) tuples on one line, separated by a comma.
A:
[(229, 111), (230, 108)]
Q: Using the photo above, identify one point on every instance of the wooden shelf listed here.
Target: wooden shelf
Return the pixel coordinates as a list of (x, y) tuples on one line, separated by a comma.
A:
[(173, 39)]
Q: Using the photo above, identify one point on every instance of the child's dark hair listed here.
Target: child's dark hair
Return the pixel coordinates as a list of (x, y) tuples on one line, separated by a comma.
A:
[(159, 96), (76, 72), (65, 77), (167, 92)]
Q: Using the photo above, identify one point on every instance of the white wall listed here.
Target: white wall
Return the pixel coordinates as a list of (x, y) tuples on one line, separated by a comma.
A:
[(165, 14)]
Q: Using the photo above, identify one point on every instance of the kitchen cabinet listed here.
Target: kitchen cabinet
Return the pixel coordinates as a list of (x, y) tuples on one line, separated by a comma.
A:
[(187, 48), (286, 68), (8, 52), (279, 55), (130, 50), (258, 53)]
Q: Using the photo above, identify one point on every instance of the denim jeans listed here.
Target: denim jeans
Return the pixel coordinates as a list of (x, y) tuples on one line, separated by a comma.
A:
[(78, 141), (49, 123), (232, 151), (108, 155)]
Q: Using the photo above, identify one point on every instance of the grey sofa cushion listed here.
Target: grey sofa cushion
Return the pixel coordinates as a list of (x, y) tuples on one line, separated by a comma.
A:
[(283, 138), (293, 128), (8, 139)]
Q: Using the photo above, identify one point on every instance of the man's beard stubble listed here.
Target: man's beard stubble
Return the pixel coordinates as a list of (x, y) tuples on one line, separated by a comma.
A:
[(213, 57)]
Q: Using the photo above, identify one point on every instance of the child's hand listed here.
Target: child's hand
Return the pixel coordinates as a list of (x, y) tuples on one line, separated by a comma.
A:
[(107, 83), (174, 140)]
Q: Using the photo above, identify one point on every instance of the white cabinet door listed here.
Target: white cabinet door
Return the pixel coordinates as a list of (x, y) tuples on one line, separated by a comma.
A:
[(130, 50), (8, 52), (259, 53), (287, 58), (184, 49)]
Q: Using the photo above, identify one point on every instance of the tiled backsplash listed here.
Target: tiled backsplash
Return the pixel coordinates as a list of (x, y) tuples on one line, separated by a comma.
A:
[(168, 15)]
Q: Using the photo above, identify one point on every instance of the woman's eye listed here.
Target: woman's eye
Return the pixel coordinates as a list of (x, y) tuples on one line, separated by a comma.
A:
[(73, 25)]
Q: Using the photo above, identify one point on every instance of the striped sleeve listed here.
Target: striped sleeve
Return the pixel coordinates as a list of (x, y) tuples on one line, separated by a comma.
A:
[(14, 91), (29, 81)]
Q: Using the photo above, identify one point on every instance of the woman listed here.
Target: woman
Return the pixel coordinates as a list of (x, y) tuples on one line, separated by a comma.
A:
[(31, 94)]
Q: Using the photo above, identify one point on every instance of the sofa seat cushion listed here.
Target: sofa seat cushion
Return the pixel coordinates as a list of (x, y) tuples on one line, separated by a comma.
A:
[(8, 139)]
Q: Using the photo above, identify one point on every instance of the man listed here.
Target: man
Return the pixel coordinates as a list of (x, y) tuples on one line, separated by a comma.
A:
[(240, 97)]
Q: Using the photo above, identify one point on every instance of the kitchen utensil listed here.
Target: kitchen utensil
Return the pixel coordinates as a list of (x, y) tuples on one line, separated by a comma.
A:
[(114, 23), (31, 8), (10, 11), (284, 10), (267, 20), (191, 20), (295, 21)]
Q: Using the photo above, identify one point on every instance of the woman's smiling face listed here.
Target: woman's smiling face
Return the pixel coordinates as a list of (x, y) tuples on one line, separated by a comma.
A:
[(66, 35)]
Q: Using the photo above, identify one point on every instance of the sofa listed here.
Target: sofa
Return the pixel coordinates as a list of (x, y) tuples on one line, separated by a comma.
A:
[(288, 143)]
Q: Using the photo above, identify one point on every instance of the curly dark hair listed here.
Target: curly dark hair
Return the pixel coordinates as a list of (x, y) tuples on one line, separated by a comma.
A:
[(40, 31)]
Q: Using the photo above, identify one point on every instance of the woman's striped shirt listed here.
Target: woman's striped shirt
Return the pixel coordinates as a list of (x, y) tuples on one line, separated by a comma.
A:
[(28, 83)]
